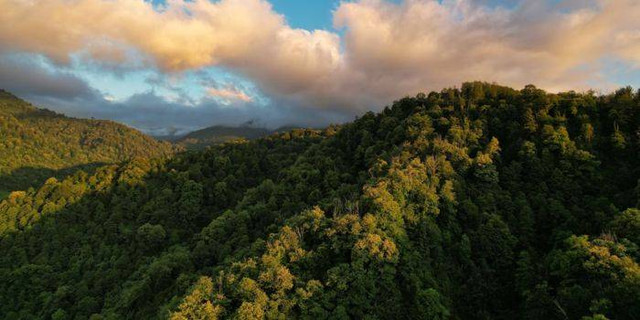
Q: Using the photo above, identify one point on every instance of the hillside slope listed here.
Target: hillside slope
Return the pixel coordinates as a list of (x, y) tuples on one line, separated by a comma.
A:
[(220, 134), (36, 144), (203, 138), (476, 203)]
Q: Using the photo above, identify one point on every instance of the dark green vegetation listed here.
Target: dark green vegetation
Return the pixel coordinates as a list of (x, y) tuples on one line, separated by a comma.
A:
[(220, 134), (200, 139), (476, 203), (36, 144)]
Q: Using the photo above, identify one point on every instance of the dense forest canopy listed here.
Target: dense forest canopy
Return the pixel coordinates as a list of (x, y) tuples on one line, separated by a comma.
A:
[(479, 202), (36, 144)]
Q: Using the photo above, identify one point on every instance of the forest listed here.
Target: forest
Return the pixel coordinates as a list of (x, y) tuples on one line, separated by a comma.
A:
[(203, 138), (36, 144), (477, 202)]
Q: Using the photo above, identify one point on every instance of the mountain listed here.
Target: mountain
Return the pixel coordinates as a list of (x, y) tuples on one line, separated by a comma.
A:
[(36, 144), (482, 202), (220, 134)]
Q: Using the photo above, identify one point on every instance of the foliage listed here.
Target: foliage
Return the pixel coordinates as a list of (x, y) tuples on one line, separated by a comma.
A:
[(36, 144), (482, 202), (206, 137)]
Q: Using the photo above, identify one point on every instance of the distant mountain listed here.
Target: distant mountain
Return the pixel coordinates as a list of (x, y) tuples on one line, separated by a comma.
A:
[(36, 144), (220, 134)]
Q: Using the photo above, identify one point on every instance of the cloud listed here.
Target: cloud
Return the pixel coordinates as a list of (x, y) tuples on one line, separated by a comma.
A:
[(558, 45), (384, 49), (246, 35), (26, 77), (230, 93), (150, 111), (157, 115)]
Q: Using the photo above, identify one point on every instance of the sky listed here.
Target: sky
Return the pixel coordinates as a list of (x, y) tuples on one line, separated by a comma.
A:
[(172, 66)]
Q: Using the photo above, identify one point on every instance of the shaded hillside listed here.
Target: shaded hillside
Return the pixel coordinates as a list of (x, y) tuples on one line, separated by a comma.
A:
[(483, 202), (36, 144), (220, 134)]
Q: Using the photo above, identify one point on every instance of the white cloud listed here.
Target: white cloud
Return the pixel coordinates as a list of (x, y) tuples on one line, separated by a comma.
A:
[(246, 35), (432, 44), (227, 94)]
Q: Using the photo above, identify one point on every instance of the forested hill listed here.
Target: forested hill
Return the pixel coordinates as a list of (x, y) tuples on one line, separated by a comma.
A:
[(203, 138), (220, 134), (482, 202), (36, 144)]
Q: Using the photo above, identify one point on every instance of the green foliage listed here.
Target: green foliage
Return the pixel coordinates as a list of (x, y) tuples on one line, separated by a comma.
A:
[(627, 225), (476, 203), (216, 135), (220, 134), (36, 144)]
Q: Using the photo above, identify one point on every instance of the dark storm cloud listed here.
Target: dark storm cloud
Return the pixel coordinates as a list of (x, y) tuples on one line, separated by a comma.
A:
[(156, 115), (149, 111), (26, 78)]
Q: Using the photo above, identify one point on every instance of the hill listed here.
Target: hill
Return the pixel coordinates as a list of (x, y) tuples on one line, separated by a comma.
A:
[(221, 134), (482, 202), (36, 144)]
